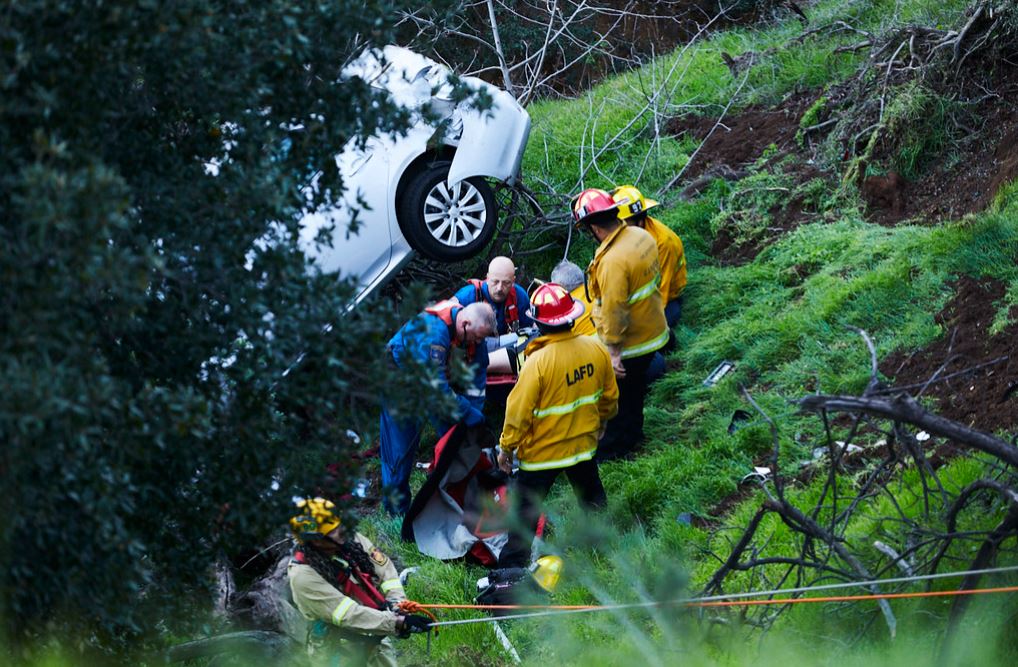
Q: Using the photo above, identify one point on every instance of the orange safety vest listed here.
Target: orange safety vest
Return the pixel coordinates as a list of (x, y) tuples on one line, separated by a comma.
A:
[(443, 309), (512, 311)]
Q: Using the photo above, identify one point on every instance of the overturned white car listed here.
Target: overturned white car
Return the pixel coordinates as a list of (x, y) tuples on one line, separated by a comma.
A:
[(425, 191)]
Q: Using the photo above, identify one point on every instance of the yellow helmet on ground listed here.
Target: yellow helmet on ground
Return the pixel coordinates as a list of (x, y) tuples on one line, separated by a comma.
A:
[(315, 519), (631, 201), (546, 572)]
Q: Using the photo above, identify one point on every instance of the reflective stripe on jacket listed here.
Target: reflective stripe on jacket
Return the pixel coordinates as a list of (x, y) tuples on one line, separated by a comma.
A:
[(624, 281), (671, 258), (321, 600), (565, 391)]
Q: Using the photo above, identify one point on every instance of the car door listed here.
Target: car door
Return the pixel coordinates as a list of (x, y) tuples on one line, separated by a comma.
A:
[(493, 141)]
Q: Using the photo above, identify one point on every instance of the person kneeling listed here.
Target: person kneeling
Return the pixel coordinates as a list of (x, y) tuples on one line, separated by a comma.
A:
[(347, 589)]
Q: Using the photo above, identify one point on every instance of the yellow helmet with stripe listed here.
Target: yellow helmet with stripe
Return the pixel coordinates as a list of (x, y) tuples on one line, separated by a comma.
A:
[(631, 201), (546, 572)]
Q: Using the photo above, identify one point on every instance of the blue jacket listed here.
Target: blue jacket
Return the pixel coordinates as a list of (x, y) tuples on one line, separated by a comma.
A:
[(468, 294), (429, 340)]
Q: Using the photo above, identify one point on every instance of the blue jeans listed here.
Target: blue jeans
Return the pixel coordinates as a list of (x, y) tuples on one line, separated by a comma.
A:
[(673, 311), (398, 451)]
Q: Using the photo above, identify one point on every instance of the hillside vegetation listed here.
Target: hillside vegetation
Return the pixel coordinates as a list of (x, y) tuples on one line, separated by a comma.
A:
[(844, 174), (848, 173)]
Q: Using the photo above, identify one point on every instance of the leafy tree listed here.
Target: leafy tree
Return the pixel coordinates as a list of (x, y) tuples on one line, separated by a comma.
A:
[(154, 303)]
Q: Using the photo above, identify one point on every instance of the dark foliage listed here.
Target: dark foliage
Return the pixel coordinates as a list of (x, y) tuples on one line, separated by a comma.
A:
[(152, 305)]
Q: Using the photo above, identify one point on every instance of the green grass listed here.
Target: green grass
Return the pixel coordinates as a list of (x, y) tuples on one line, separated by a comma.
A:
[(617, 119), (783, 319)]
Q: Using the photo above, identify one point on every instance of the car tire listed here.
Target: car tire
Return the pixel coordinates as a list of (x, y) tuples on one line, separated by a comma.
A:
[(447, 224)]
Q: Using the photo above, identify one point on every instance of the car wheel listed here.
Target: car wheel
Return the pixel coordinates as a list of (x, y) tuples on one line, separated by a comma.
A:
[(443, 223)]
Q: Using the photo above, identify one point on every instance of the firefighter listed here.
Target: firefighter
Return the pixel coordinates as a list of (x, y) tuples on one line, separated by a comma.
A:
[(347, 589), (499, 289), (671, 256), (565, 395), (623, 280), (571, 277), (429, 338)]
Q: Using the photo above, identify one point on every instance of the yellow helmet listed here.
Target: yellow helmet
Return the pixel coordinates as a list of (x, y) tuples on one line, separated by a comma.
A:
[(631, 201), (316, 518), (546, 572)]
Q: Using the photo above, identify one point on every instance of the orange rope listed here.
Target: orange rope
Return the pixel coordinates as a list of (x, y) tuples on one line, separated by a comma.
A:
[(854, 598), (508, 606), (416, 606), (411, 607)]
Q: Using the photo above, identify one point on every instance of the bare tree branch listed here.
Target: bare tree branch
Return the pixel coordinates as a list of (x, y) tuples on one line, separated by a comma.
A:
[(905, 408)]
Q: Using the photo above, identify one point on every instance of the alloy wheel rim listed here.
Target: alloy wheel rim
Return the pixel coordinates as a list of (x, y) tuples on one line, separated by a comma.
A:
[(455, 216)]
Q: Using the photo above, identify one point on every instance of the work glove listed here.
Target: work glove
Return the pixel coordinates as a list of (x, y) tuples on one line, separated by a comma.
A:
[(413, 623)]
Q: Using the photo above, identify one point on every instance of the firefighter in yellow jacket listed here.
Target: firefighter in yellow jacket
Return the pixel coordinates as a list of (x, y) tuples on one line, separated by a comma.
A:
[(623, 280), (565, 395), (348, 591), (671, 255)]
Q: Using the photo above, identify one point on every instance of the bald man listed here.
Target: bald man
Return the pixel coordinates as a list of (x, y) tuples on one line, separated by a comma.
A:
[(499, 289)]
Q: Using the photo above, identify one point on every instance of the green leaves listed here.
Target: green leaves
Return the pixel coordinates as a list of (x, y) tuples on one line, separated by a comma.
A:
[(170, 381)]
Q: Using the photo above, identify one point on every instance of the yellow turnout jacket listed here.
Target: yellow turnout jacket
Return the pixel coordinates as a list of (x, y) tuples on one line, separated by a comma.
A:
[(624, 281), (565, 391), (325, 607), (671, 258), (584, 324)]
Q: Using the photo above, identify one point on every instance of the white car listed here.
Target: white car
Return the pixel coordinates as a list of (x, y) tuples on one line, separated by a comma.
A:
[(426, 191)]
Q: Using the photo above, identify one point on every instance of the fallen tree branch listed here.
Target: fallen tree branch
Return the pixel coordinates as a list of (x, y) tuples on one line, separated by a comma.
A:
[(906, 409), (714, 585), (791, 513)]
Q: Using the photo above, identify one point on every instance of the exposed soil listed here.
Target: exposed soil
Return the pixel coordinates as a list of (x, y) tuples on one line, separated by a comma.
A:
[(965, 179), (969, 175), (735, 144), (985, 398), (740, 139), (783, 218), (638, 31)]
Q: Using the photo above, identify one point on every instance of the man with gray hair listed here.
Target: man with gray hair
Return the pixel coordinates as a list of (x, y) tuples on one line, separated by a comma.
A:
[(573, 279), (429, 338)]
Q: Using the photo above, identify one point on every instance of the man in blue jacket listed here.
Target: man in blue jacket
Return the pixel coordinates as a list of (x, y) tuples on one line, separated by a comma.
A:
[(429, 338), (499, 289)]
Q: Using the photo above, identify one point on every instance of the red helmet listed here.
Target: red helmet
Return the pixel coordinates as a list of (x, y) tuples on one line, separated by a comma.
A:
[(553, 306), (591, 202)]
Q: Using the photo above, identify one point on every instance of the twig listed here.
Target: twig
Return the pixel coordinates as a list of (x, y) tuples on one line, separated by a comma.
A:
[(905, 408), (675, 179)]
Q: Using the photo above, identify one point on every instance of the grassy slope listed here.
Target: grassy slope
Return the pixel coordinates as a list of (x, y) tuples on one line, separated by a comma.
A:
[(782, 318)]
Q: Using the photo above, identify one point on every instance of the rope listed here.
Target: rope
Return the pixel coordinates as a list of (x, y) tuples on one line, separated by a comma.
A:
[(856, 598), (411, 607), (741, 599)]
